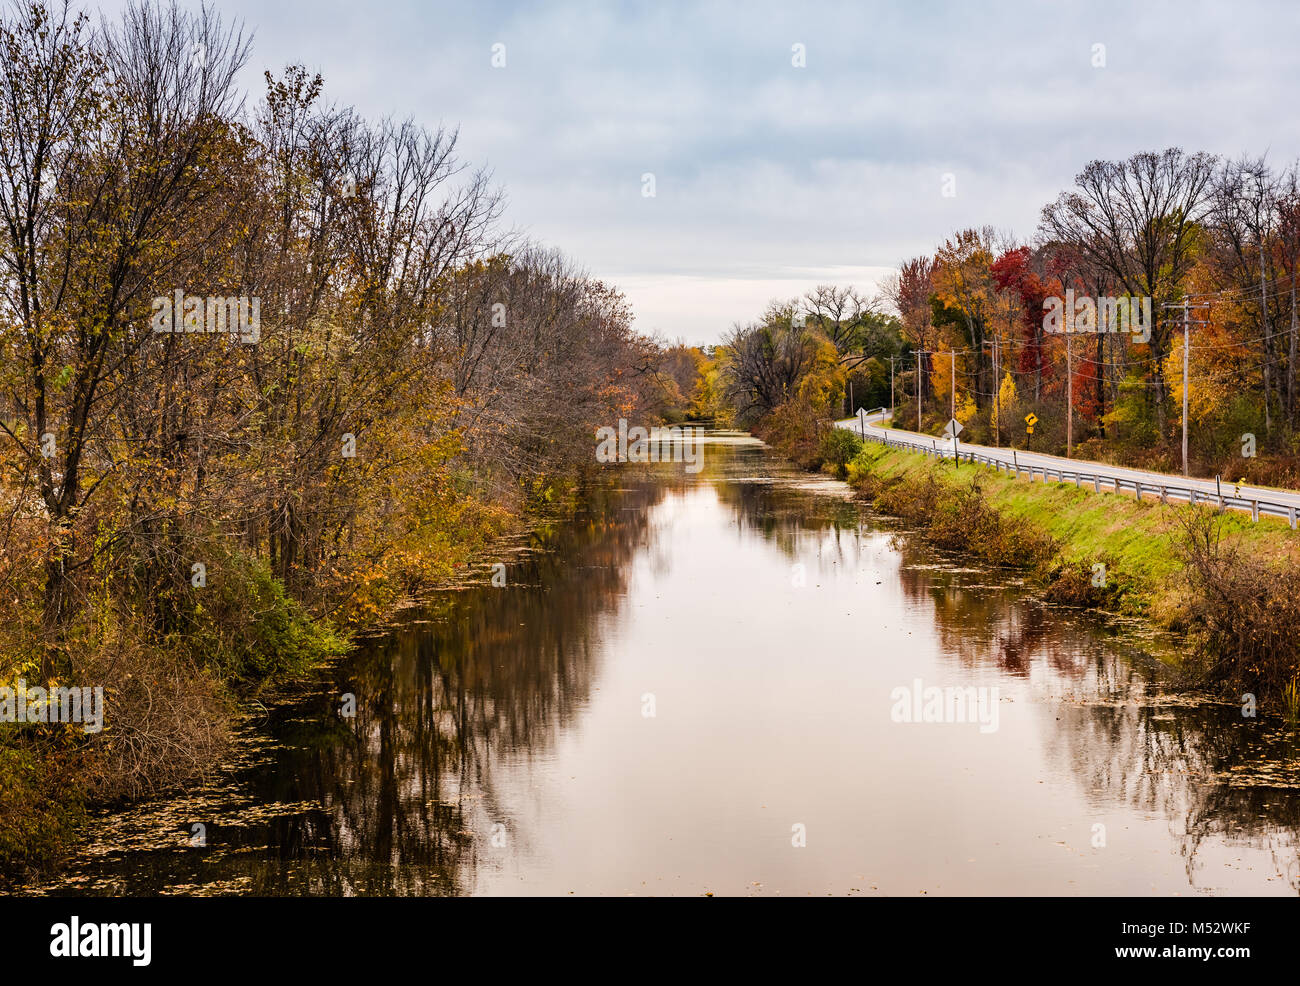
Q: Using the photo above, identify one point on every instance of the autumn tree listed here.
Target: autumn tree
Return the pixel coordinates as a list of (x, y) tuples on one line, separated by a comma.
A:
[(1140, 221)]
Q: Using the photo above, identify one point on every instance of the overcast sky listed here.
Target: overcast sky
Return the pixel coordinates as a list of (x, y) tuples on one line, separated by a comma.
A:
[(771, 178)]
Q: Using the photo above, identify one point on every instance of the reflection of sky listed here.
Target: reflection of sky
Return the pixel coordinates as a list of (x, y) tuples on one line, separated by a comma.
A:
[(772, 708), (769, 178), (521, 707)]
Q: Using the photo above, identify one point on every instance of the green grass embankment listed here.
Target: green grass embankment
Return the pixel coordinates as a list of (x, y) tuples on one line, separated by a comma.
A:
[(1061, 532)]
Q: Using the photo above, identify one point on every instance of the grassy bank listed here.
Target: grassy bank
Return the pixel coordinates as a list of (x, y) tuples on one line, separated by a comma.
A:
[(1223, 583)]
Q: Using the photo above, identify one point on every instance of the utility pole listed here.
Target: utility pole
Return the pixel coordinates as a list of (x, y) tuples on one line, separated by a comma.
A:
[(997, 391), (891, 391), (953, 393), (1268, 329), (1265, 325), (920, 364), (1069, 400), (1187, 349)]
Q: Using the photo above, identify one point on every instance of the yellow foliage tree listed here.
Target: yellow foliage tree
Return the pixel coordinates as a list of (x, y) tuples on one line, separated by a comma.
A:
[(966, 408), (1006, 400)]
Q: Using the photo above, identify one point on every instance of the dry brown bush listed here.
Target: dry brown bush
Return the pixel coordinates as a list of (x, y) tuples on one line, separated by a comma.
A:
[(165, 724), (1242, 611)]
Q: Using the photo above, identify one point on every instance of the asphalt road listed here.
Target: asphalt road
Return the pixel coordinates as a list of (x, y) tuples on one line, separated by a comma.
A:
[(1039, 460)]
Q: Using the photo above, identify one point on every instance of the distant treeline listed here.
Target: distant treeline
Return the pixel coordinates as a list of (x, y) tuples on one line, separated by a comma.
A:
[(1157, 230)]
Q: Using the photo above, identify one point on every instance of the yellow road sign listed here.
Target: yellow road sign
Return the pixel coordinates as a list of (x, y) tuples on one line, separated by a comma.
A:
[(1031, 419)]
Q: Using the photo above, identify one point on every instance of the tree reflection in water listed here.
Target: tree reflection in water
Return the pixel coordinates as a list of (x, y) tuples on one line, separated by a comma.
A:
[(402, 799), (1113, 727)]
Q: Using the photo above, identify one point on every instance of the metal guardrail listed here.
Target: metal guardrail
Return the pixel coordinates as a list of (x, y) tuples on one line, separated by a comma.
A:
[(1165, 491)]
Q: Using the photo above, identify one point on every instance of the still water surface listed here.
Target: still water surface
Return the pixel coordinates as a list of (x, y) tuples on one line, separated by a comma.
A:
[(503, 741)]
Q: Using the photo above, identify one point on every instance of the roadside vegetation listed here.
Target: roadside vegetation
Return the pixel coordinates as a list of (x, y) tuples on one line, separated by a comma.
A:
[(977, 329)]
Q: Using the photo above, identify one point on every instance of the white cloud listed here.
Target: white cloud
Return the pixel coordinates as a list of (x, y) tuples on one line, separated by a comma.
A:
[(762, 167)]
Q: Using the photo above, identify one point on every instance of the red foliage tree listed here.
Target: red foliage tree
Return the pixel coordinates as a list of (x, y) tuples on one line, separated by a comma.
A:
[(1014, 271)]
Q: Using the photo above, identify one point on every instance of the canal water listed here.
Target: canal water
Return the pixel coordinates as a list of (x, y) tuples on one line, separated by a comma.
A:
[(732, 682)]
